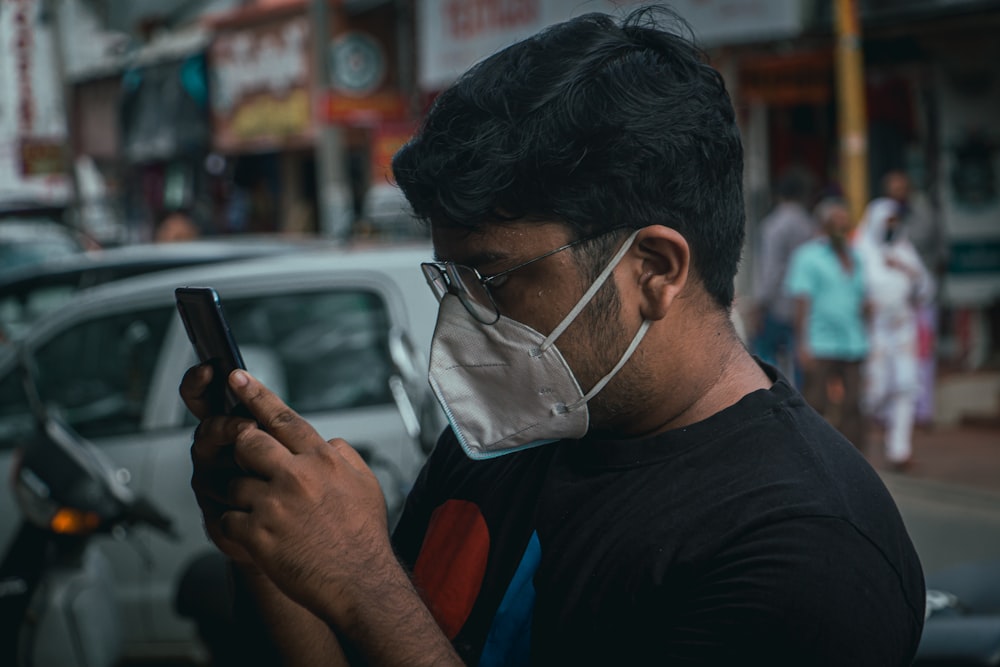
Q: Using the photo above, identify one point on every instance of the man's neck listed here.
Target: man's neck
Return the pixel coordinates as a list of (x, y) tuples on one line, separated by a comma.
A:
[(711, 373)]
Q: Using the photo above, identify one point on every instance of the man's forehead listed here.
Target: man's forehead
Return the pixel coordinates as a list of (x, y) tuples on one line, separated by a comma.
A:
[(495, 242)]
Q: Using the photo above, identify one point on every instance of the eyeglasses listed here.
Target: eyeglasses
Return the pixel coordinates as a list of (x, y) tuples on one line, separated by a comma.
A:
[(473, 288)]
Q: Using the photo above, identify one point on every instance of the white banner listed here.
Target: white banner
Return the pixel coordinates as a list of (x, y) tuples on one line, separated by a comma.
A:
[(454, 34)]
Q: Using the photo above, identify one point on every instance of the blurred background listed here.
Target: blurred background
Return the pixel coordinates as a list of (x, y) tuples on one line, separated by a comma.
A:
[(282, 115), (133, 122)]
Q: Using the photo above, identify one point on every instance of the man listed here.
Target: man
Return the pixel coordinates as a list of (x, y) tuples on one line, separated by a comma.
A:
[(784, 229), (583, 189), (827, 281)]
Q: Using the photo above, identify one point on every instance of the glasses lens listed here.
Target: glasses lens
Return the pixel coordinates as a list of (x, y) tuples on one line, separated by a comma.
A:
[(473, 294)]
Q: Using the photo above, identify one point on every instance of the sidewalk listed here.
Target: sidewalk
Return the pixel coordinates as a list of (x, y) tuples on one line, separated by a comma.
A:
[(965, 454)]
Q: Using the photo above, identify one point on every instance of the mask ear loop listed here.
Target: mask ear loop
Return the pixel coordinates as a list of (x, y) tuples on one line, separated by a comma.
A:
[(561, 408), (587, 296), (614, 371)]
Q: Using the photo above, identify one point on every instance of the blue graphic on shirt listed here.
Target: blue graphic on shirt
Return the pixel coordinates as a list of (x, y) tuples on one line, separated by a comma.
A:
[(509, 641)]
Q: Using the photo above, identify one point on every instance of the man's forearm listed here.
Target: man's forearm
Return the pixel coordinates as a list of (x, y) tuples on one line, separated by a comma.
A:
[(278, 625), (389, 624)]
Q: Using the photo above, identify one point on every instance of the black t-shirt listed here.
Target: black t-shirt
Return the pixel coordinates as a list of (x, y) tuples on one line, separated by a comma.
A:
[(757, 536)]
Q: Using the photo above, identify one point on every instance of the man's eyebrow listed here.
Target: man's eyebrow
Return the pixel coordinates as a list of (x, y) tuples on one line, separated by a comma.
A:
[(477, 259)]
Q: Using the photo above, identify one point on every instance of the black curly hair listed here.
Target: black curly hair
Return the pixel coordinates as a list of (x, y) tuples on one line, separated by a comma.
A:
[(594, 122)]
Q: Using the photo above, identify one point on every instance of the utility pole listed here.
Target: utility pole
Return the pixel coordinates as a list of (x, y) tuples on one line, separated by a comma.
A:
[(852, 121), (333, 194)]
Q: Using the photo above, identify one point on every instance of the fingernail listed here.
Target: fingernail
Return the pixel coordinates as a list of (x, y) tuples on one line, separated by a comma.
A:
[(239, 379)]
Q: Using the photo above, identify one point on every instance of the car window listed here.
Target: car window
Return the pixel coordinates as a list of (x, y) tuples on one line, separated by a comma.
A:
[(96, 375), (18, 310), (328, 350), (15, 415)]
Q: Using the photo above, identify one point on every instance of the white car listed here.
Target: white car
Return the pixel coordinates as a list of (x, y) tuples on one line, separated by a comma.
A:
[(341, 335)]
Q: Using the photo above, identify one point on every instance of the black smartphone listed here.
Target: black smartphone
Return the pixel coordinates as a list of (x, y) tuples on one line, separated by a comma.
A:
[(205, 322)]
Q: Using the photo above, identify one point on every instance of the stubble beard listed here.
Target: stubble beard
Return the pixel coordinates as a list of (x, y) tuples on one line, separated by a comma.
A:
[(616, 404)]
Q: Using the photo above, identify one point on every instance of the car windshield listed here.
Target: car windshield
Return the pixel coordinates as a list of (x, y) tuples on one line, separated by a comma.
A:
[(23, 253)]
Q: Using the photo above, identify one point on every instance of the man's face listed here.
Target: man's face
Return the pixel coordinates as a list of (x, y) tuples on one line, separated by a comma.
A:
[(176, 228), (897, 187), (540, 294), (838, 223)]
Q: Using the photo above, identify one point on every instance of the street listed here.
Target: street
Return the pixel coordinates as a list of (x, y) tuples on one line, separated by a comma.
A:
[(950, 499), (948, 524)]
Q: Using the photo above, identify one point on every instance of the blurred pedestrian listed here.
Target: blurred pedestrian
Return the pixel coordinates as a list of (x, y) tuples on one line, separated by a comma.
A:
[(926, 232), (176, 225), (784, 229), (826, 279), (898, 284)]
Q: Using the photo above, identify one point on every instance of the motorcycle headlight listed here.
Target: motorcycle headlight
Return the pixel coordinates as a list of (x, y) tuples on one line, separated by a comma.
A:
[(69, 521)]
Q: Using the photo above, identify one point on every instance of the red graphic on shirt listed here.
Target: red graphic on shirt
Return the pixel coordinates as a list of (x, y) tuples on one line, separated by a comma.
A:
[(449, 570)]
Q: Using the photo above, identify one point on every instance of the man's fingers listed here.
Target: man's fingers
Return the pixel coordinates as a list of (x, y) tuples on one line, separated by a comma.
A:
[(273, 415), (192, 390), (244, 490), (212, 484), (213, 438), (258, 453), (235, 525), (350, 454)]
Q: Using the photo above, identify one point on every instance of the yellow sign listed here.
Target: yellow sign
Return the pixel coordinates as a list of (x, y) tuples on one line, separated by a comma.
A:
[(266, 117)]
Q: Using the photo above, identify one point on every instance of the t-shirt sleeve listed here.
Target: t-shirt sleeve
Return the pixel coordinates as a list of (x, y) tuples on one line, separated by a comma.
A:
[(799, 279), (806, 591)]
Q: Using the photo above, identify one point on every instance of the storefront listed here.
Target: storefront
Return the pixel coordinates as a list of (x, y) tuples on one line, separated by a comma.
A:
[(934, 100), (97, 146), (268, 110), (165, 135)]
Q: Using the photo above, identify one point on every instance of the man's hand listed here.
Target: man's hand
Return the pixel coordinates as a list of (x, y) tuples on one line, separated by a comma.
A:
[(308, 515), (212, 456), (309, 512)]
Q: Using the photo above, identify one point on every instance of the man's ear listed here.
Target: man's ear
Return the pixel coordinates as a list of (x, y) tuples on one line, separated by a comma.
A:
[(665, 260)]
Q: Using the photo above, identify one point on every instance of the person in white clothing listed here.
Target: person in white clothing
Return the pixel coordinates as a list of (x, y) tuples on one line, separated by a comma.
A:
[(898, 283)]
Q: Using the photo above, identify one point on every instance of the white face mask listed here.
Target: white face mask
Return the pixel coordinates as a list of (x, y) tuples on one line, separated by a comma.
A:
[(504, 386)]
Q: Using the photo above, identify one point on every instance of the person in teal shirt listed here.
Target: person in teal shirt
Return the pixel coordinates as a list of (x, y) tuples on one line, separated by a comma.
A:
[(826, 280)]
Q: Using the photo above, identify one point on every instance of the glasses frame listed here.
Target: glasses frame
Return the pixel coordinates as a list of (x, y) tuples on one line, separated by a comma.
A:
[(446, 279)]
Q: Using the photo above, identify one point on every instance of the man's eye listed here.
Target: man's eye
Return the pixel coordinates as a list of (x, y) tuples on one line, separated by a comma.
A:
[(497, 281)]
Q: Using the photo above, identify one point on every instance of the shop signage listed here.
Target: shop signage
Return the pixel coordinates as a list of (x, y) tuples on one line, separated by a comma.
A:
[(364, 90), (357, 64), (362, 111), (788, 79), (387, 138), (261, 85), (42, 157), (974, 257), (454, 34)]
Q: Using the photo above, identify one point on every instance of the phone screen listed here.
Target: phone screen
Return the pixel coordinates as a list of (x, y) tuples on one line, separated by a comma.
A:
[(205, 322)]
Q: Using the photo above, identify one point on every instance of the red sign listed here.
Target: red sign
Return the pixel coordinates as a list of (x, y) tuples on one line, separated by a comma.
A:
[(387, 138), (369, 110)]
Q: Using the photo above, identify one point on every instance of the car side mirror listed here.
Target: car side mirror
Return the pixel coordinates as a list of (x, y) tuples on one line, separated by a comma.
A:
[(411, 392)]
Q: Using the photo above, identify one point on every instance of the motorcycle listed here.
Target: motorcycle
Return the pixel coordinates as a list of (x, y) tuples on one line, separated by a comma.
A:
[(57, 599), (962, 624)]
